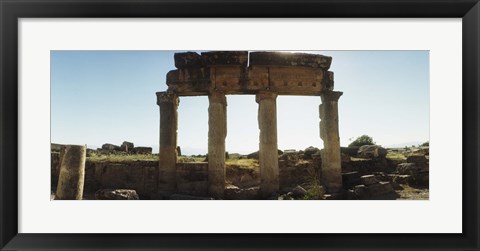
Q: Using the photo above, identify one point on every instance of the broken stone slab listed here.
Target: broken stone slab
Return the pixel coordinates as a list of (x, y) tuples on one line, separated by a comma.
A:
[(380, 188), (298, 192), (235, 193), (116, 194), (399, 178), (127, 145), (334, 196), (351, 150), (290, 59), (110, 147), (412, 168), (287, 196), (142, 150), (309, 151), (350, 179), (368, 179), (187, 59), (361, 191), (381, 176), (417, 159), (255, 155), (371, 151)]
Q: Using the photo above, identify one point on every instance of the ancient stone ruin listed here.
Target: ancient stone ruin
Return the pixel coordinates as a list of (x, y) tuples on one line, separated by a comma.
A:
[(265, 75), (71, 173)]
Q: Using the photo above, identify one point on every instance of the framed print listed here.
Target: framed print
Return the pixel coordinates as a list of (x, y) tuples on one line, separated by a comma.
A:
[(108, 50)]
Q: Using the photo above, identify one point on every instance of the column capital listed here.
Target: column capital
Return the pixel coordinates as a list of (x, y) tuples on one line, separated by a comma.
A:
[(329, 96), (217, 97), (261, 95), (167, 97)]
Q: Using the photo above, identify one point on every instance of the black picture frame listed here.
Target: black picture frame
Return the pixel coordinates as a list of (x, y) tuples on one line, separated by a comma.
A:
[(12, 10)]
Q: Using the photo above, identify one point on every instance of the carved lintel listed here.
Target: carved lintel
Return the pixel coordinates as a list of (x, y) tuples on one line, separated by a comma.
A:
[(167, 97), (261, 95), (330, 96)]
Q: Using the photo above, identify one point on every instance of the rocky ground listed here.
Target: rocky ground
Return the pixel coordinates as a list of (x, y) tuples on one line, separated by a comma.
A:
[(368, 173), (412, 193)]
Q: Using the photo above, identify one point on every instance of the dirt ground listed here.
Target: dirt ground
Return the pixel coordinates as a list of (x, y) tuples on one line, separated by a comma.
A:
[(412, 193)]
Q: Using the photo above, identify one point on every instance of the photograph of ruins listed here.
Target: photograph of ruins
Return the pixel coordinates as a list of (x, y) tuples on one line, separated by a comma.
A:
[(286, 137)]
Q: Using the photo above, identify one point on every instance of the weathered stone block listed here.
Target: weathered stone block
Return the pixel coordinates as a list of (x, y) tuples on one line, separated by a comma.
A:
[(142, 150), (192, 178), (257, 78), (187, 59), (298, 80), (225, 58), (190, 80), (299, 192), (334, 196), (235, 193), (116, 194), (350, 179), (351, 150), (309, 151), (54, 169), (400, 179), (228, 78), (110, 147), (418, 159), (126, 175), (380, 188), (127, 145), (381, 176), (407, 168), (372, 151), (368, 179), (361, 191), (290, 59)]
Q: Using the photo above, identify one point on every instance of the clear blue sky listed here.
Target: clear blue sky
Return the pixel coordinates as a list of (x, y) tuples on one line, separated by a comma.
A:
[(102, 97)]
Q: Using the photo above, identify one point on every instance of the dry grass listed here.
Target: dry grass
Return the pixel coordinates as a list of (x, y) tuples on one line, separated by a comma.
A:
[(243, 163), (122, 158), (357, 159), (411, 193), (396, 156)]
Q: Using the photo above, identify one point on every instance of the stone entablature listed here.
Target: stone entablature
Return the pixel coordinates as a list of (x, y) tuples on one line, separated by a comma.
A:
[(265, 74), (240, 72)]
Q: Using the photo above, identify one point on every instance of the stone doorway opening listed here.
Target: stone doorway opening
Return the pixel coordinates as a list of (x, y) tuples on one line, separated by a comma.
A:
[(192, 134), (242, 125)]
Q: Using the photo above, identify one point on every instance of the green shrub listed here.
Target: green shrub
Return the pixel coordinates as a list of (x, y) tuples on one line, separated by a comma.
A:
[(426, 144), (315, 190), (362, 140)]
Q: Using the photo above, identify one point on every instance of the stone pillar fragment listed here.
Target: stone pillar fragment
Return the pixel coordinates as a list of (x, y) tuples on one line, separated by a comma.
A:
[(268, 154), (168, 103), (331, 161), (72, 173), (217, 132)]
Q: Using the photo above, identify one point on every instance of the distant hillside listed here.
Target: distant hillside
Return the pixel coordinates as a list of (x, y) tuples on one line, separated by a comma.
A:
[(401, 145)]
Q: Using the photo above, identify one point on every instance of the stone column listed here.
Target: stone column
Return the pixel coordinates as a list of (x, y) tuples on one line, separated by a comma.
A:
[(72, 173), (331, 161), (268, 154), (217, 132), (168, 103)]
